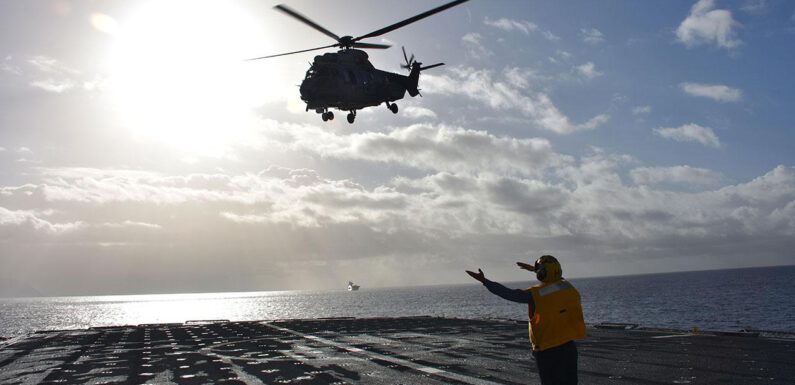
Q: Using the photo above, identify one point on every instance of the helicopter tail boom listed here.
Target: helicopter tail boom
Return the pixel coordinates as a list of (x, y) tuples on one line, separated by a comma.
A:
[(412, 81)]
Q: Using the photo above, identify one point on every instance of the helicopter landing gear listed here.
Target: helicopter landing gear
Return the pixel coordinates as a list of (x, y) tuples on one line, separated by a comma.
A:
[(325, 114), (392, 107), (351, 116)]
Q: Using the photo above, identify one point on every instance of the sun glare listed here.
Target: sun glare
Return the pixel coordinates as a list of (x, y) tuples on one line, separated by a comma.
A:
[(179, 74)]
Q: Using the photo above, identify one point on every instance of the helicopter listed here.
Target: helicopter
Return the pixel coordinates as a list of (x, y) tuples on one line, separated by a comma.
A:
[(346, 80)]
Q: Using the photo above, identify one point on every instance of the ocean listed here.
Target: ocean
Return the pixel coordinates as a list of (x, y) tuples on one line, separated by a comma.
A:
[(729, 300)]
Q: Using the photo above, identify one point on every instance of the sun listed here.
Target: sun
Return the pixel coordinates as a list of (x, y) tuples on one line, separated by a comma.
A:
[(179, 75)]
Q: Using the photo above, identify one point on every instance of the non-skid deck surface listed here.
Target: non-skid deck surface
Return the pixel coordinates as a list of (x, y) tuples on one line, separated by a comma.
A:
[(414, 350)]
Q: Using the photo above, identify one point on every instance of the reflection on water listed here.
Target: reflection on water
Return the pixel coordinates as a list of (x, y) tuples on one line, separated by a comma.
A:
[(761, 298), (26, 315)]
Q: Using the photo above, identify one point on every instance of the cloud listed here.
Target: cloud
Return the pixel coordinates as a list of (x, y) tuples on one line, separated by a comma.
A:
[(717, 92), (560, 55), (47, 64), (550, 36), (24, 224), (129, 223), (473, 42), (588, 70), (675, 174), (512, 25), (432, 147), (592, 36), (521, 77), (503, 94), (523, 26), (51, 75), (53, 85), (415, 112), (690, 133), (641, 110), (276, 220), (8, 66), (707, 25)]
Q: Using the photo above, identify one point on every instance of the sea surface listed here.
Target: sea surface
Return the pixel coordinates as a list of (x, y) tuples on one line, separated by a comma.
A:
[(755, 298)]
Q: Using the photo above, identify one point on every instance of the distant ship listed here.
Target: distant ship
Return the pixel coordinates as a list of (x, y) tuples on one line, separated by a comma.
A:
[(352, 287)]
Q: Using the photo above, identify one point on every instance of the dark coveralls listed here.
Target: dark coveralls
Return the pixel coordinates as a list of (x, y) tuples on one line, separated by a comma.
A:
[(556, 366)]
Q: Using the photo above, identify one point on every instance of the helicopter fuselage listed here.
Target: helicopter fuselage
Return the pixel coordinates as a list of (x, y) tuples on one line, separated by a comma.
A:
[(346, 80)]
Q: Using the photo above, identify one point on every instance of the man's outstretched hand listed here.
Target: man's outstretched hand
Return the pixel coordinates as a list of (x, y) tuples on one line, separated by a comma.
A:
[(479, 275), (526, 266)]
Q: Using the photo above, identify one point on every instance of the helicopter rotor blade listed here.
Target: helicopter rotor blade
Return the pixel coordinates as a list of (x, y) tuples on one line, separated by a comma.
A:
[(290, 53), (306, 21), (370, 45), (410, 20), (431, 66), (404, 55)]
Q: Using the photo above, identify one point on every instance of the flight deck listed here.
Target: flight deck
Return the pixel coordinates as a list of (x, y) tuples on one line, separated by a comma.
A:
[(409, 350)]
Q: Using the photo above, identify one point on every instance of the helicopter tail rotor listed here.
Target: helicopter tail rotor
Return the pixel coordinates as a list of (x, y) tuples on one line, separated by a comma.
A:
[(409, 61)]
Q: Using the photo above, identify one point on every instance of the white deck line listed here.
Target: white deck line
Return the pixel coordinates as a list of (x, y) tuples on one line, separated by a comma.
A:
[(394, 360)]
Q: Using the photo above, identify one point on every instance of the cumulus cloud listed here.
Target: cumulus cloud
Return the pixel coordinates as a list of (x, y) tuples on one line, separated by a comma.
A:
[(270, 221), (676, 174), (433, 147), (502, 94), (29, 223), (707, 25), (512, 25), (717, 92), (690, 133), (592, 36), (521, 77), (416, 112), (588, 70)]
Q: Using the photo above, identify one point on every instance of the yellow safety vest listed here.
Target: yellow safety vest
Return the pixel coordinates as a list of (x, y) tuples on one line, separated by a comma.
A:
[(557, 317)]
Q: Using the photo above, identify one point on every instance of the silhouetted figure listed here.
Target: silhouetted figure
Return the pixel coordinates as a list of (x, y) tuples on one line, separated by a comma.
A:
[(555, 318)]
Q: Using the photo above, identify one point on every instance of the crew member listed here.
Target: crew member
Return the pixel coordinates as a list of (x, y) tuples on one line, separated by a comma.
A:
[(555, 318)]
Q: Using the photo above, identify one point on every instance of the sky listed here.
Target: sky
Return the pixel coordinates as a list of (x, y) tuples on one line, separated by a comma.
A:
[(141, 153)]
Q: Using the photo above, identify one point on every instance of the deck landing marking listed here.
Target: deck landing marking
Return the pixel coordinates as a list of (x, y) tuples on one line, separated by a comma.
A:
[(394, 360)]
